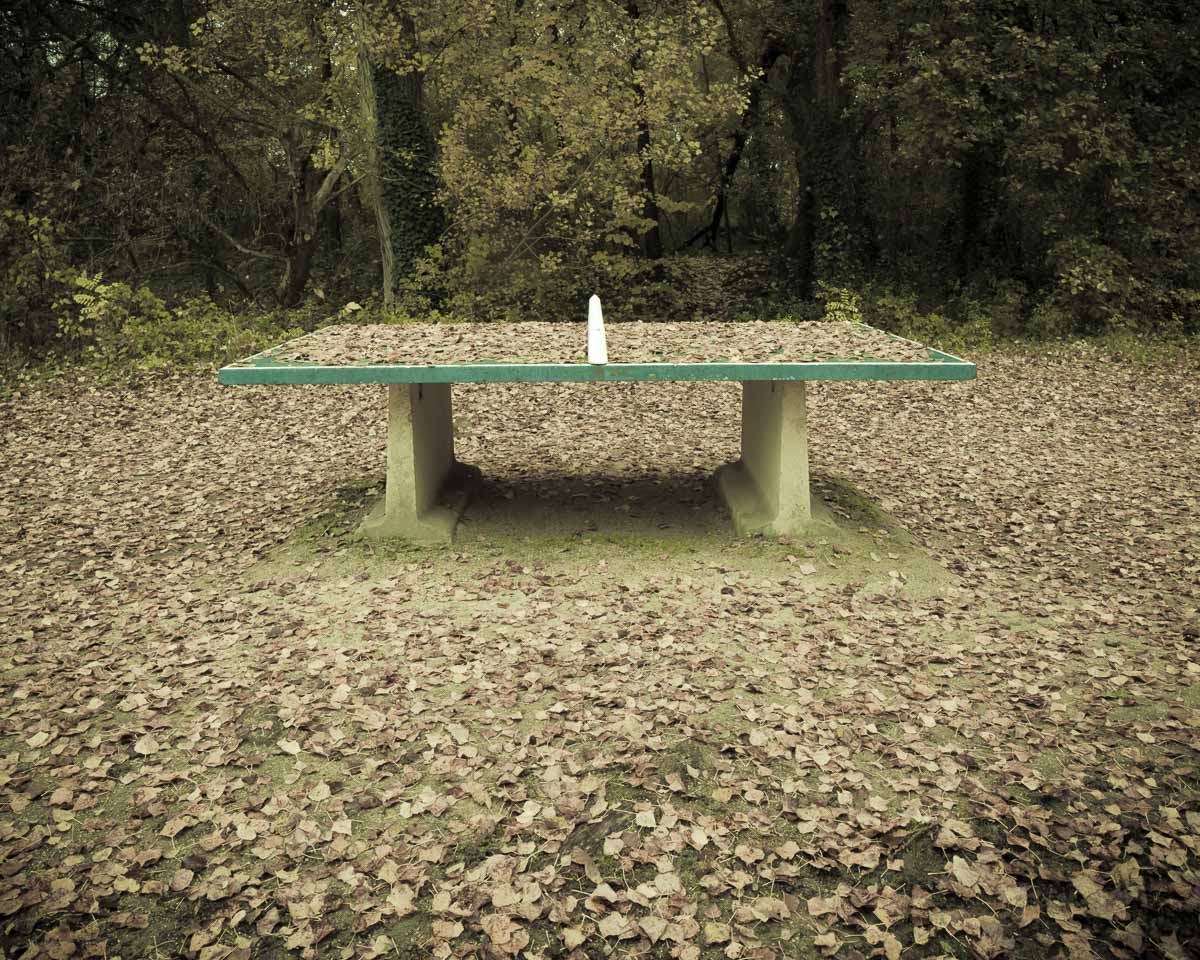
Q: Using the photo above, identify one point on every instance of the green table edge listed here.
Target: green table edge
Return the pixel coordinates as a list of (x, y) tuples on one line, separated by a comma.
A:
[(939, 369), (263, 369)]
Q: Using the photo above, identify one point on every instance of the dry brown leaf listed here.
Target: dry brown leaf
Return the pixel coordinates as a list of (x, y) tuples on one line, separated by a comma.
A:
[(716, 933)]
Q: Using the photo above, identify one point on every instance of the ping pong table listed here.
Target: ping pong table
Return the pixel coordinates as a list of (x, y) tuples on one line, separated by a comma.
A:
[(766, 490)]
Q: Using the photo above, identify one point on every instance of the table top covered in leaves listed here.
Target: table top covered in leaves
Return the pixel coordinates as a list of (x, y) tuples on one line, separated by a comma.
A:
[(557, 351), (813, 342)]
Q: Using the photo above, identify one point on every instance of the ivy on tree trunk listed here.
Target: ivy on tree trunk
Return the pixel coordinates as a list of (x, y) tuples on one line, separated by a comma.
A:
[(407, 178)]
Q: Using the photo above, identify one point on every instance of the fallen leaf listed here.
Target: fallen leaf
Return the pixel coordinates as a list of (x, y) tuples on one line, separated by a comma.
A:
[(402, 899), (616, 925), (653, 927), (716, 933), (964, 873), (146, 745)]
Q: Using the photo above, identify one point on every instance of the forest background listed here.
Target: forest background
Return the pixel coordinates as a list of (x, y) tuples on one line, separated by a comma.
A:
[(191, 179)]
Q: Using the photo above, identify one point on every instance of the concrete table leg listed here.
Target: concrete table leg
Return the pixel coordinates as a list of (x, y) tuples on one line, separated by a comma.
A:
[(427, 488), (767, 489)]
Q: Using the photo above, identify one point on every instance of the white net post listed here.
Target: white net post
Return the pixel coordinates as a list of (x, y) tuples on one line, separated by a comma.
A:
[(597, 343)]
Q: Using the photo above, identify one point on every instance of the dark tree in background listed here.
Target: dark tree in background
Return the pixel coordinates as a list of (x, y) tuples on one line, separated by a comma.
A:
[(408, 178)]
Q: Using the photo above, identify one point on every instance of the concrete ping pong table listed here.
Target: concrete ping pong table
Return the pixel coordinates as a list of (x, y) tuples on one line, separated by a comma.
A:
[(766, 490)]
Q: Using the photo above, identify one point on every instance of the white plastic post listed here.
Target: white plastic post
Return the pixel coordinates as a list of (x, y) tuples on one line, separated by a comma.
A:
[(597, 343)]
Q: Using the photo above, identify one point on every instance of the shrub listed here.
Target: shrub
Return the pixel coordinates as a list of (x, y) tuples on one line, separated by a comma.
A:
[(199, 330), (116, 323), (35, 277), (107, 318), (958, 324), (840, 303)]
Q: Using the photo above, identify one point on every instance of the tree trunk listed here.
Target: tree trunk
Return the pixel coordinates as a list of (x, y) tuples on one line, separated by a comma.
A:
[(651, 239), (652, 245), (309, 198), (371, 184), (408, 181), (833, 18), (296, 273), (825, 150), (800, 247), (741, 137), (301, 232), (302, 240), (970, 212)]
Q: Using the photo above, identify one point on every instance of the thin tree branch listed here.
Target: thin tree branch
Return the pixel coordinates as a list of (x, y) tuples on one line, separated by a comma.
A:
[(241, 248)]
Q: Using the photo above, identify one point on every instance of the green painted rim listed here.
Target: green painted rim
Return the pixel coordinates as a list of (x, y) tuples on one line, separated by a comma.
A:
[(262, 368), (613, 372)]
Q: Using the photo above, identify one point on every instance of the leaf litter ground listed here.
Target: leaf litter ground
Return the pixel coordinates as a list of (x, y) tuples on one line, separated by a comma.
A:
[(959, 722)]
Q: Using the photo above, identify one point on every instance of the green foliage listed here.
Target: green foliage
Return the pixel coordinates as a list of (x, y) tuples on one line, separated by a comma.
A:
[(275, 162), (35, 275), (1158, 350), (110, 320), (1054, 142), (200, 330), (1097, 290), (114, 324), (965, 170), (484, 283), (962, 323), (840, 304), (834, 254), (542, 155)]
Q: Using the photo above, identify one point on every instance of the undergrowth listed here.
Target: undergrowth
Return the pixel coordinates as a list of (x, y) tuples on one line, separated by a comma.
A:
[(114, 329)]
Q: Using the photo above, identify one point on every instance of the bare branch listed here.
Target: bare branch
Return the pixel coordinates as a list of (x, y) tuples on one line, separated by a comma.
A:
[(241, 248)]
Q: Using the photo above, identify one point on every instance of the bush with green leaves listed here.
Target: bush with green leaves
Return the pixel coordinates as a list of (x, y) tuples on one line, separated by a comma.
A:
[(109, 319), (116, 323), (841, 304), (35, 277), (956, 324), (200, 330)]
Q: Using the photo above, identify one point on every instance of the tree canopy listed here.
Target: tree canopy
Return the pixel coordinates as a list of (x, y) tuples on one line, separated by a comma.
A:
[(1035, 161)]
